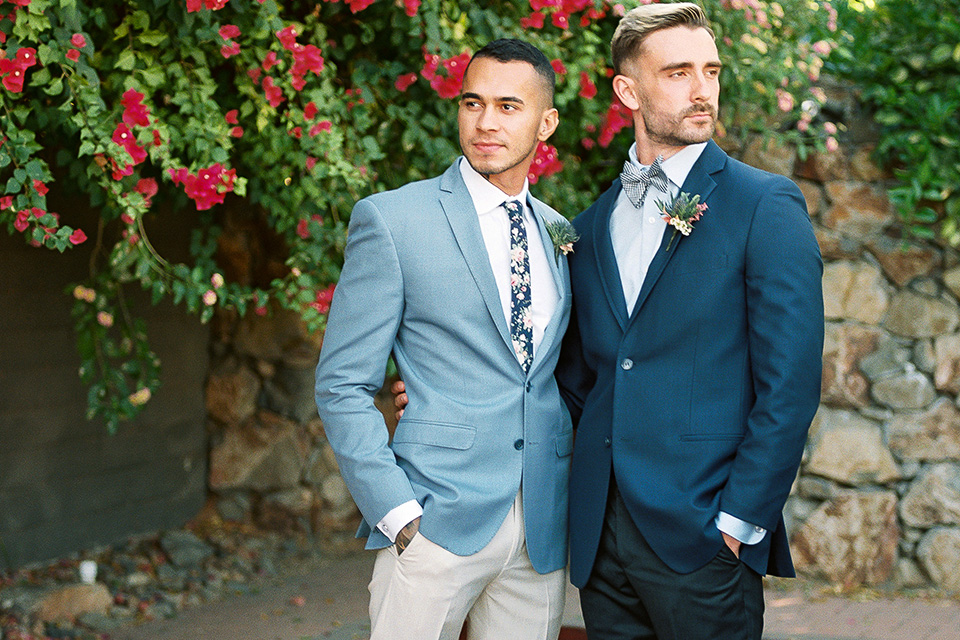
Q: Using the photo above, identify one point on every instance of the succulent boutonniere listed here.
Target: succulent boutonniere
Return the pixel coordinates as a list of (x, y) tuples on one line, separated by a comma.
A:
[(563, 236), (682, 213)]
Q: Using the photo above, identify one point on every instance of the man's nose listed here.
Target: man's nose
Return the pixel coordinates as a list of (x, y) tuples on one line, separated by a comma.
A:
[(487, 120)]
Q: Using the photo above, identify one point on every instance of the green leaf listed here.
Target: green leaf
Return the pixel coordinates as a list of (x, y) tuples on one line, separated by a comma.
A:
[(152, 38), (55, 88), (126, 60), (13, 185)]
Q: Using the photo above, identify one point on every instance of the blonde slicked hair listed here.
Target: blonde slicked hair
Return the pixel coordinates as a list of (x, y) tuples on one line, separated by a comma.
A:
[(640, 22)]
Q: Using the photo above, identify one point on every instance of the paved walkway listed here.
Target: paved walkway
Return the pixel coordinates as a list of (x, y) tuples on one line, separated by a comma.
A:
[(327, 600)]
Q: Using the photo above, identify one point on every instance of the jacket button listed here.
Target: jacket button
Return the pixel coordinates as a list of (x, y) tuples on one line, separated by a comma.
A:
[(518, 445), (529, 386), (627, 364), (606, 442)]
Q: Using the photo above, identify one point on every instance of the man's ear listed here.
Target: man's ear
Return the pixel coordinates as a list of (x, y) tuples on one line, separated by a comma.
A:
[(548, 124), (626, 89)]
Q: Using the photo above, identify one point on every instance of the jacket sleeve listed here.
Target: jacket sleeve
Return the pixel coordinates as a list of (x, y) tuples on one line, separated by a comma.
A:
[(364, 318), (784, 296)]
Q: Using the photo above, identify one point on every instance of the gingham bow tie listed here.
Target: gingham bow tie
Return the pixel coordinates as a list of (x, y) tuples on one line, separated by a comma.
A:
[(636, 181)]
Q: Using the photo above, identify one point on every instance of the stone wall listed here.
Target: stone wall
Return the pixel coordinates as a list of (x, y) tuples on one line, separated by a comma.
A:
[(877, 501)]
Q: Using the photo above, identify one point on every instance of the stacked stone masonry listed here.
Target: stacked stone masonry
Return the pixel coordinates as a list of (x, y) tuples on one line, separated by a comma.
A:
[(877, 500)]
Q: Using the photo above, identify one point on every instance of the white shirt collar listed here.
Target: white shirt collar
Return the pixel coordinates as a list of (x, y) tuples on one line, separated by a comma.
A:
[(485, 195), (677, 166)]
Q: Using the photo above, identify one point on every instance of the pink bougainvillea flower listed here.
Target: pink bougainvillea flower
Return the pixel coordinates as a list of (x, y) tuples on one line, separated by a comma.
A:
[(124, 137), (615, 120), (323, 300), (560, 20), (358, 5), (446, 86), (12, 73), (105, 319), (157, 140), (230, 50), (73, 55), (78, 41), (323, 125), (231, 116), (545, 163), (274, 93), (26, 56), (118, 173), (40, 188), (22, 221), (558, 67), (270, 61), (405, 81), (533, 21), (310, 111), (411, 7), (297, 132), (6, 202), (134, 111), (208, 187), (287, 37), (147, 187), (303, 226), (213, 5), (310, 163), (77, 236), (228, 31), (236, 132), (209, 297), (588, 90)]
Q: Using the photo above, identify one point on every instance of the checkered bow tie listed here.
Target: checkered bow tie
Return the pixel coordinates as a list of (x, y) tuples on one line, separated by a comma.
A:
[(636, 181)]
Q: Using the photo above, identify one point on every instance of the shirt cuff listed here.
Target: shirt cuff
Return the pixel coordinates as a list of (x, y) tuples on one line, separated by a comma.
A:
[(399, 517), (745, 532)]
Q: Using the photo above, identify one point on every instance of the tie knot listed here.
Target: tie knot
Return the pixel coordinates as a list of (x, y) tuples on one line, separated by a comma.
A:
[(636, 181), (513, 208)]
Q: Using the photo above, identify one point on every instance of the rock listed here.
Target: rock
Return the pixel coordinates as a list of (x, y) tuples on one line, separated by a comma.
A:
[(335, 492), (812, 194), (824, 166), (185, 549), (836, 246), (862, 166), (890, 359), (903, 262), (851, 540), (853, 453), (934, 498), (286, 511), (231, 395), (100, 622), (819, 489), (939, 553), (908, 390), (234, 507), (771, 156), (952, 279), (844, 346), (266, 453), (291, 392), (174, 578), (933, 434), (855, 291), (909, 575), (857, 209), (65, 604), (272, 338), (914, 315), (924, 356), (946, 376)]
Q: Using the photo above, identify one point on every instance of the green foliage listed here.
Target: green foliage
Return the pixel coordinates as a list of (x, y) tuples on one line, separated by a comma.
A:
[(905, 57), (226, 107)]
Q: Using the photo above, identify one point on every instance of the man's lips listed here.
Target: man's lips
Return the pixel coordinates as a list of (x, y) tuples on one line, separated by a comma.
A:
[(486, 146)]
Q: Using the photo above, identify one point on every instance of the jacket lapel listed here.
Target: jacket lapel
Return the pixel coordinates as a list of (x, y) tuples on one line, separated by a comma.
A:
[(558, 268), (458, 207), (606, 258), (698, 182)]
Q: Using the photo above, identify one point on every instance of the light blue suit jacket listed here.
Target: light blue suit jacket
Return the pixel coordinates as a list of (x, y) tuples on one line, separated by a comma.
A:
[(417, 282)]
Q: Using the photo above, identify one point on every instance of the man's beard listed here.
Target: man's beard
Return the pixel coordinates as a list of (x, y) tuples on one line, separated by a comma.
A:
[(671, 131)]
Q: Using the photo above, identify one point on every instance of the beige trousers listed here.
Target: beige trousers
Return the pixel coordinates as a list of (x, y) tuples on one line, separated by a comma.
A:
[(427, 592)]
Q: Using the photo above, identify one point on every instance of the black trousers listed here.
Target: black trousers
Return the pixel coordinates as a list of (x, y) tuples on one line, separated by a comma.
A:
[(633, 595)]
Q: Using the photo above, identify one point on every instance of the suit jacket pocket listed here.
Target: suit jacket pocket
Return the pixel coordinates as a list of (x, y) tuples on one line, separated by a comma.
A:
[(702, 263), (699, 437), (435, 434)]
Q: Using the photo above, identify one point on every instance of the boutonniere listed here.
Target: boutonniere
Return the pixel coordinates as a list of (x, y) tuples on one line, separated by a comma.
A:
[(682, 213), (563, 236)]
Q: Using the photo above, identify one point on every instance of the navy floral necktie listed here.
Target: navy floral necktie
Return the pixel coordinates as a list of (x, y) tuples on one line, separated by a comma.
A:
[(636, 181), (521, 318)]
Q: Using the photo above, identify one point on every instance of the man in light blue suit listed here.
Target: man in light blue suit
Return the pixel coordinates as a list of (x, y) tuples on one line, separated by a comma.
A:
[(459, 279), (692, 364)]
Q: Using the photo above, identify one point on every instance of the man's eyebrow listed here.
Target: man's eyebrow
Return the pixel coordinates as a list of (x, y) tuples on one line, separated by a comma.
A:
[(474, 96), (713, 64)]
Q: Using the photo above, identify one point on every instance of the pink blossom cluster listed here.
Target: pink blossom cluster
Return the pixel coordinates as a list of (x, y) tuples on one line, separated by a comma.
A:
[(135, 114), (560, 13), (13, 70), (303, 226), (545, 163), (230, 47), (213, 5), (617, 118), (323, 300), (354, 5), (24, 217), (78, 42), (447, 85), (208, 186)]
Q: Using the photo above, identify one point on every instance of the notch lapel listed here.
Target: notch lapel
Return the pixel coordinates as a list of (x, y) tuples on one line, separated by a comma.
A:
[(606, 258), (458, 207), (698, 182), (558, 268)]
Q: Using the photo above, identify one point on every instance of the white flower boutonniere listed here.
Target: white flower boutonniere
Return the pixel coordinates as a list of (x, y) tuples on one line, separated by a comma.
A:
[(682, 213), (563, 236)]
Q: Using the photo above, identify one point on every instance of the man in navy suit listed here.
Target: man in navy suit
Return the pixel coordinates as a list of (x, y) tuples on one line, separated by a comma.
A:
[(692, 363)]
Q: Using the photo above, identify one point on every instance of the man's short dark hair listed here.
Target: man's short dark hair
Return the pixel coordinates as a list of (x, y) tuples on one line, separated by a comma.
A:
[(513, 50)]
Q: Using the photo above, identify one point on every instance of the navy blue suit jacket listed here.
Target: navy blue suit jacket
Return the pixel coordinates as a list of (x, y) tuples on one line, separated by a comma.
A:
[(700, 401)]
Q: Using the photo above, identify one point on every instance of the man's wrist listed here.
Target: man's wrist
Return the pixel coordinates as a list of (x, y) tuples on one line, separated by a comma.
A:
[(406, 535)]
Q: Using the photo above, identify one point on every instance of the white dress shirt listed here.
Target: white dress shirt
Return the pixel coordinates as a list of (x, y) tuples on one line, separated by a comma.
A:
[(495, 228), (636, 237)]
